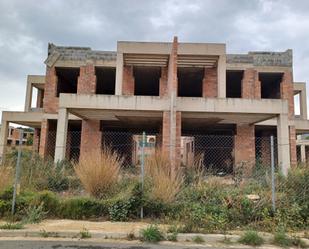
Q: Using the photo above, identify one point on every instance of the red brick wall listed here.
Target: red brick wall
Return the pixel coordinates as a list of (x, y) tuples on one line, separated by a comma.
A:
[(50, 100), (128, 81), (91, 137), (87, 80), (163, 82), (293, 154), (210, 83), (287, 92), (250, 85), (36, 140), (43, 138), (245, 146)]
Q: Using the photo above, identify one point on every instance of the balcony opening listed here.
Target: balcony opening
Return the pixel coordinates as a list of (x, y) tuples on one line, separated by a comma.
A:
[(147, 80), (233, 84), (106, 77), (67, 80), (297, 105), (190, 81), (270, 85)]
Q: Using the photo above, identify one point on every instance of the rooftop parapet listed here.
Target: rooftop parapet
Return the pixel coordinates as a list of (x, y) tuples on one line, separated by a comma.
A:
[(279, 59), (76, 54)]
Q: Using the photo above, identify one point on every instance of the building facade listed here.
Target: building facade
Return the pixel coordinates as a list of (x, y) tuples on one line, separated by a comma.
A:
[(192, 99)]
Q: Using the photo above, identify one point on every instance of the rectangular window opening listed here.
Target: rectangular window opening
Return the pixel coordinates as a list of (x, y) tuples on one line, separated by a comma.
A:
[(190, 81), (67, 80), (270, 85), (106, 78), (233, 84), (147, 80)]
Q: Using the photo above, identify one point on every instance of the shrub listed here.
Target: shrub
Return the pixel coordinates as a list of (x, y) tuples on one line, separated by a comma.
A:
[(281, 239), (34, 214), (49, 201), (85, 234), (166, 182), (82, 208), (172, 236), (198, 239), (12, 226), (99, 172), (152, 234), (119, 211), (251, 238)]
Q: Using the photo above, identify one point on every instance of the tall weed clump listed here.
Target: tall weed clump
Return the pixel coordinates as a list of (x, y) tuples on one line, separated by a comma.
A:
[(6, 176), (165, 181), (99, 171)]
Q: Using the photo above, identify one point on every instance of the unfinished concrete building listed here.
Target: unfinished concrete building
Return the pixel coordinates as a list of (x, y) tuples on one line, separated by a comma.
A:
[(194, 101)]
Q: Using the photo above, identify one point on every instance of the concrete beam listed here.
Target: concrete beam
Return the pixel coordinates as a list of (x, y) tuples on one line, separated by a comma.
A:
[(61, 136)]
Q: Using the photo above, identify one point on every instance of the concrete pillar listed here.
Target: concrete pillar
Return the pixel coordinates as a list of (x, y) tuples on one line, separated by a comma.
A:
[(3, 138), (28, 97), (283, 143), (221, 76), (303, 153), (303, 104), (91, 137), (245, 146), (61, 136), (119, 74)]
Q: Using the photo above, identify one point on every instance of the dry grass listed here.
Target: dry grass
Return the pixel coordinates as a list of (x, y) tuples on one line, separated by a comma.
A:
[(6, 176), (166, 183), (99, 171)]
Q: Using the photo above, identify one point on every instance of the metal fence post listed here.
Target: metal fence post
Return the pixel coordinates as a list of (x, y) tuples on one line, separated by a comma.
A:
[(273, 188), (142, 169), (16, 184)]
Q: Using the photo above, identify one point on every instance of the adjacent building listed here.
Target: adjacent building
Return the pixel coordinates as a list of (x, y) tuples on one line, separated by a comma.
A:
[(193, 100)]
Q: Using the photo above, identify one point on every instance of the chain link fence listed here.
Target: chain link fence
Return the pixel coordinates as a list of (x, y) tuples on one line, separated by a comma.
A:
[(233, 161)]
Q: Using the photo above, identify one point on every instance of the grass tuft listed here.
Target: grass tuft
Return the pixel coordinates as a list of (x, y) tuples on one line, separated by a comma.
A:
[(84, 234), (99, 172), (251, 238), (152, 234), (12, 226), (198, 239)]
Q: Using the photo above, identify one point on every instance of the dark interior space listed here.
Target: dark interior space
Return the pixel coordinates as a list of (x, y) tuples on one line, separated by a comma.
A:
[(67, 80), (73, 140), (233, 84), (147, 80), (51, 138), (213, 145), (263, 145), (106, 78), (270, 85), (190, 81), (119, 135)]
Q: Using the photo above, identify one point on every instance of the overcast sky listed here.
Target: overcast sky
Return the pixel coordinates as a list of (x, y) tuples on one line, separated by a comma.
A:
[(26, 27)]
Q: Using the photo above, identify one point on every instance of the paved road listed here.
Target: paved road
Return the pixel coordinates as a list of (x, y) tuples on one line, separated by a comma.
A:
[(14, 244)]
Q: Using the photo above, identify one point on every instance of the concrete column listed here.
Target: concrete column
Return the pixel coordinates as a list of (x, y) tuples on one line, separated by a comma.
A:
[(28, 97), (303, 153), (119, 74), (3, 138), (303, 104), (283, 143), (221, 76), (61, 136)]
